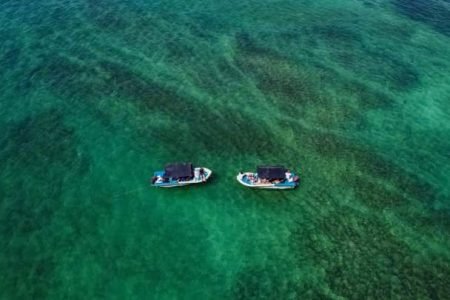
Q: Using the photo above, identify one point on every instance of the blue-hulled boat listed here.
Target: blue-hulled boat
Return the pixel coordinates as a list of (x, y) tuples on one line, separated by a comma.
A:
[(269, 177), (180, 174)]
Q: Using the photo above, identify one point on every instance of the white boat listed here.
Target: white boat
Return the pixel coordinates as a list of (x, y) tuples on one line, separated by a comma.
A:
[(269, 177), (180, 174)]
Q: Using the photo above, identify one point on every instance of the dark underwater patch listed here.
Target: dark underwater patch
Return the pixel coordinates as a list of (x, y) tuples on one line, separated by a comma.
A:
[(130, 85), (179, 50), (380, 184), (362, 257), (374, 166), (71, 77), (10, 58), (251, 45), (434, 13), (340, 35), (67, 78), (63, 76), (110, 15), (273, 73), (295, 88), (246, 43), (11, 52), (380, 66), (39, 155), (368, 97), (205, 25), (361, 254), (212, 131), (39, 150), (39, 140), (264, 282), (351, 51)]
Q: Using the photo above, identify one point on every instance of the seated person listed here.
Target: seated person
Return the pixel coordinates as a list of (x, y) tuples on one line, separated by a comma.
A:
[(288, 175)]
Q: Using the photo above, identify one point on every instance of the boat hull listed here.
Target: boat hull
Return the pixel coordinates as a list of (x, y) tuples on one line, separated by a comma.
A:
[(175, 183), (242, 178)]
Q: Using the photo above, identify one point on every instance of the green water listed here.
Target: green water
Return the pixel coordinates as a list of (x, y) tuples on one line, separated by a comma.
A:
[(96, 95)]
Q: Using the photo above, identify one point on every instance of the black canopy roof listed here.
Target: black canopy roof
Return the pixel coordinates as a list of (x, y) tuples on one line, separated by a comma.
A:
[(271, 172), (178, 170)]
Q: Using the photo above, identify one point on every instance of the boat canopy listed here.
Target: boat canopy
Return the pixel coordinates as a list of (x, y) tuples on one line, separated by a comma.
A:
[(271, 172), (178, 170)]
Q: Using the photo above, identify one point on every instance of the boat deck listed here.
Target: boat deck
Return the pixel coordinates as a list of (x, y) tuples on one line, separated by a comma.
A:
[(251, 180), (176, 182)]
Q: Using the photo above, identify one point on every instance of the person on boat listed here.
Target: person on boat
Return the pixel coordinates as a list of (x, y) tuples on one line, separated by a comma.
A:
[(288, 175), (202, 174), (252, 178)]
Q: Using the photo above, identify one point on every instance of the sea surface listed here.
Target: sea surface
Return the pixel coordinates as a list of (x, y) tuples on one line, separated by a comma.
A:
[(95, 95)]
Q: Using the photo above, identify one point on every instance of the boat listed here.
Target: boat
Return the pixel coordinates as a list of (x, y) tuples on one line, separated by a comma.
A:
[(269, 177), (180, 174)]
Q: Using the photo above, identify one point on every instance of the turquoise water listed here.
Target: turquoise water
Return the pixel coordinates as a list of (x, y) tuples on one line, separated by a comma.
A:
[(96, 95)]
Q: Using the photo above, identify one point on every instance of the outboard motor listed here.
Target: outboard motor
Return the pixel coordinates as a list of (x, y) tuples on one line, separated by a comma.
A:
[(296, 179), (154, 178)]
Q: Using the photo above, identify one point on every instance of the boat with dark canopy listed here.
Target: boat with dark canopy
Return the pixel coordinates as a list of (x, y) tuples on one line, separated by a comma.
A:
[(269, 177), (180, 174)]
